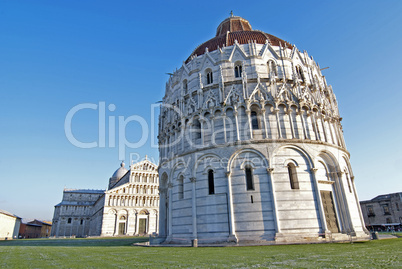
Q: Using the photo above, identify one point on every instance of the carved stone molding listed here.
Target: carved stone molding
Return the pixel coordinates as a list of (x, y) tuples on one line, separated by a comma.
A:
[(326, 182)]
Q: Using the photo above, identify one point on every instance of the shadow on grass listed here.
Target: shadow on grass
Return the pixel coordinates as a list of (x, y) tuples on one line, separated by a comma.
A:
[(78, 242)]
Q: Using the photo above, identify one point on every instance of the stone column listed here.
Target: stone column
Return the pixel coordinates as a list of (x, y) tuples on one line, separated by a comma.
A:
[(278, 124), (342, 203), (156, 222), (328, 120), (289, 112), (274, 204), (301, 112), (191, 143), (265, 123), (136, 223), (131, 230), (224, 127), (126, 228), (116, 231), (315, 126), (148, 219), (212, 118), (202, 122), (323, 127), (237, 125), (250, 126), (232, 229), (168, 146), (194, 206), (319, 201), (339, 133), (183, 130), (346, 202), (333, 130), (170, 187), (342, 138), (358, 205)]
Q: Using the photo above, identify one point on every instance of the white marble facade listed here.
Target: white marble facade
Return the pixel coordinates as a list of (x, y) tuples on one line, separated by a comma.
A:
[(9, 225), (130, 206), (252, 147)]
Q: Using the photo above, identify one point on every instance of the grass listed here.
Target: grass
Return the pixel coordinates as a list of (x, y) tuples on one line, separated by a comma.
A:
[(118, 253)]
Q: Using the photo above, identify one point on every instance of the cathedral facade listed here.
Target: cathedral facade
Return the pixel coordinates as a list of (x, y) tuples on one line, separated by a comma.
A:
[(130, 206), (251, 146)]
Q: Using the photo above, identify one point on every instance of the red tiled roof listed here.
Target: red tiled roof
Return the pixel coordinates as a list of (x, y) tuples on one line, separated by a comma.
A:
[(242, 37), (236, 28), (233, 24)]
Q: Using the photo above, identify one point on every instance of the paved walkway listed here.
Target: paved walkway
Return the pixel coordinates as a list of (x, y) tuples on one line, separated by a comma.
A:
[(386, 236)]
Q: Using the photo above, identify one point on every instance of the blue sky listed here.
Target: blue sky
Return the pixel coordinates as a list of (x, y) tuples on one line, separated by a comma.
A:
[(59, 54)]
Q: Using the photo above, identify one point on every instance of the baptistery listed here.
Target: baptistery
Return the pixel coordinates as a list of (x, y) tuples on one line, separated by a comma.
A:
[(251, 146)]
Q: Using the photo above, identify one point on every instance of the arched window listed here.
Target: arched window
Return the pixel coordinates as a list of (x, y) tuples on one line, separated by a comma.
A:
[(209, 77), (185, 86), (272, 68), (299, 73), (249, 179), (211, 184), (254, 120), (294, 182), (180, 188), (197, 129), (69, 220), (238, 70)]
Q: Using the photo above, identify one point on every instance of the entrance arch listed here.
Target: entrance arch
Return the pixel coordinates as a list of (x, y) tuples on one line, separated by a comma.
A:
[(122, 225), (143, 222)]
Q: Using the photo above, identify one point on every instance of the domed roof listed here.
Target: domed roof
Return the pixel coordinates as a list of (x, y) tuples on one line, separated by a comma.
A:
[(119, 172), (236, 28)]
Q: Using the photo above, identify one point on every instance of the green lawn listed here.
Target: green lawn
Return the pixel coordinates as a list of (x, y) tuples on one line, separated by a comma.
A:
[(399, 234), (118, 252)]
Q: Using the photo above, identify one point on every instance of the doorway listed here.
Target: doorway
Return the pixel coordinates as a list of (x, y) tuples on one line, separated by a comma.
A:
[(142, 226), (329, 211), (122, 228)]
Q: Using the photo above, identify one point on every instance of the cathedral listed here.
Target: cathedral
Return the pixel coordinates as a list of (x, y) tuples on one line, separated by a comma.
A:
[(130, 206), (251, 146)]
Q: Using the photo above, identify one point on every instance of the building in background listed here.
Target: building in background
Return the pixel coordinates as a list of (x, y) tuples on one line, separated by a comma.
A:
[(46, 227), (383, 212), (251, 146), (72, 216), (29, 230), (9, 225), (130, 206)]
